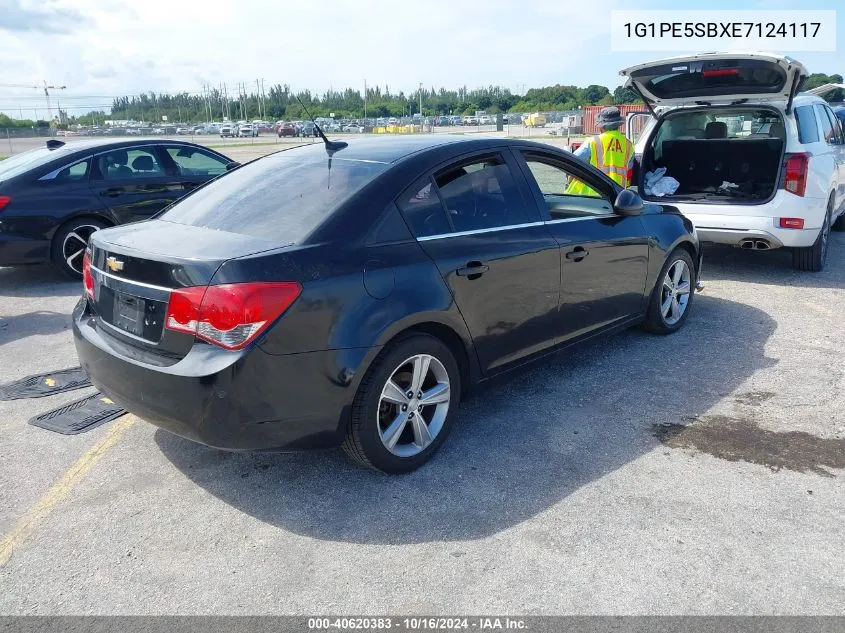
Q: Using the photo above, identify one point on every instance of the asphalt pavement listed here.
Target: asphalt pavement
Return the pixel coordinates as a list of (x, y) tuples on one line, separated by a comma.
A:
[(697, 473)]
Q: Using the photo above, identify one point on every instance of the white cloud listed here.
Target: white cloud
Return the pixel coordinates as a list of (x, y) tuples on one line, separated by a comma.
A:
[(102, 48)]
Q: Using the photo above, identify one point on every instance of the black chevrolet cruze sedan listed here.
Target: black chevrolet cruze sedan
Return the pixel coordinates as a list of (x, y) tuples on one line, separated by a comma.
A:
[(54, 197), (351, 295)]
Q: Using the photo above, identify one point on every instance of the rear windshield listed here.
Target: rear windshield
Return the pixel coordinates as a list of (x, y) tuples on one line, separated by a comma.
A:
[(712, 78), (721, 123), (19, 163), (282, 197)]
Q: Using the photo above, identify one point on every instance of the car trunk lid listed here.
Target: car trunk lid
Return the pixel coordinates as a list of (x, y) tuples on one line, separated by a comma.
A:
[(135, 273), (716, 78)]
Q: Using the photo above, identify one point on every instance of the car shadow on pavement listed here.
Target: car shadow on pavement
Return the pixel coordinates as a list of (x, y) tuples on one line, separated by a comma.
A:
[(773, 267), (36, 281), (516, 449), (40, 323)]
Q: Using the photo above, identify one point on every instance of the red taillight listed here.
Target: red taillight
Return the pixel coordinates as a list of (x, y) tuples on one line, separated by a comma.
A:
[(229, 315), (791, 223), (4, 200), (720, 72), (87, 277), (795, 173)]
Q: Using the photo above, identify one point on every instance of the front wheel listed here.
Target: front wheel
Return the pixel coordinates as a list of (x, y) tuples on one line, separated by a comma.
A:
[(70, 242), (672, 296), (401, 413)]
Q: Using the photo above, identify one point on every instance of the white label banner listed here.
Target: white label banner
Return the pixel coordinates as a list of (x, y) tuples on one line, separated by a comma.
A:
[(692, 30)]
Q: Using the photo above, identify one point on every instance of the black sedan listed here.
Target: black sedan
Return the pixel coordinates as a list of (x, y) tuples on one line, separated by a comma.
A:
[(54, 197), (352, 294)]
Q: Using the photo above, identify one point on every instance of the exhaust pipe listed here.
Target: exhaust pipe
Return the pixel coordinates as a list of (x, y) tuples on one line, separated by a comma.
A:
[(754, 245)]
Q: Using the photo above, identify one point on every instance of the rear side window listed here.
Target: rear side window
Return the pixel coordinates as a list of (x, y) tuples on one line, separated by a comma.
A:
[(481, 195), (830, 127), (281, 197), (827, 125), (78, 171), (807, 130), (423, 211)]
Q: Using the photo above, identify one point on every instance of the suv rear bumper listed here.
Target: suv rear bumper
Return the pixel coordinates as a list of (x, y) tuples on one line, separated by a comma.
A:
[(732, 224)]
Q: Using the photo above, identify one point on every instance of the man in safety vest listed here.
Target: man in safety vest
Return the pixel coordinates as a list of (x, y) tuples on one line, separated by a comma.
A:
[(609, 151)]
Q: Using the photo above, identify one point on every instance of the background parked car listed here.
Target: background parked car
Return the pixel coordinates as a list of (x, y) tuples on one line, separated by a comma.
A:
[(307, 128), (758, 166), (54, 197), (286, 128), (227, 130), (247, 130)]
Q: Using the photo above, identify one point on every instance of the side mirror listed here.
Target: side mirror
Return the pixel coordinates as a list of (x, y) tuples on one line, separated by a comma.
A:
[(628, 203), (232, 165)]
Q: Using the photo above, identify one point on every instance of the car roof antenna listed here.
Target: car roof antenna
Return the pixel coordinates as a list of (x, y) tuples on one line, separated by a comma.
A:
[(331, 146)]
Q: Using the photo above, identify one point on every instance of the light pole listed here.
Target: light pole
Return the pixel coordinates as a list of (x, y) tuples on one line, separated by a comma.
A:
[(421, 112)]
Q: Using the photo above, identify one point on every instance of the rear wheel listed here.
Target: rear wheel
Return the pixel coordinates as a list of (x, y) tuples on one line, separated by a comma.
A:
[(70, 242), (672, 296), (813, 258), (401, 413)]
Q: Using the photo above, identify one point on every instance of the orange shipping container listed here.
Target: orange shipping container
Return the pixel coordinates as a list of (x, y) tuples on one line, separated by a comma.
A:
[(591, 112)]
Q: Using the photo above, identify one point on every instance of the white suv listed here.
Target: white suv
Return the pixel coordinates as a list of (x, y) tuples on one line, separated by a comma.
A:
[(757, 165)]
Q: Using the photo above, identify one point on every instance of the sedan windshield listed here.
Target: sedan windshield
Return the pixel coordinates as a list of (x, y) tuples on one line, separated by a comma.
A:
[(282, 197)]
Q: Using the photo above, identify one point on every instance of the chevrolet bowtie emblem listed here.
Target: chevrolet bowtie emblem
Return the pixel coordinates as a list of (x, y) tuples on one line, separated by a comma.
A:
[(114, 264)]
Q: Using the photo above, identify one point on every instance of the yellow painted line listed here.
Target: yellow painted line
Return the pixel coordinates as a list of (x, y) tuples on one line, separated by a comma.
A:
[(62, 488)]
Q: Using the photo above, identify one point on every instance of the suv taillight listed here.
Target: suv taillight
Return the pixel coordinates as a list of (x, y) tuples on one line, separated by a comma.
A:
[(4, 200), (87, 277), (795, 173), (229, 315)]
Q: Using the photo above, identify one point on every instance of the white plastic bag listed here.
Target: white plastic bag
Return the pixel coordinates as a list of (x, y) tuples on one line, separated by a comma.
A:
[(658, 184)]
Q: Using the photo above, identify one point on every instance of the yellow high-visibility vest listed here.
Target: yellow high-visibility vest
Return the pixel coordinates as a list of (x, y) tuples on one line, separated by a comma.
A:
[(611, 153)]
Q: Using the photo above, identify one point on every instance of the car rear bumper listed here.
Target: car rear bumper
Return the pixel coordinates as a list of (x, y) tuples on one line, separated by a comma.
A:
[(248, 400), (16, 250)]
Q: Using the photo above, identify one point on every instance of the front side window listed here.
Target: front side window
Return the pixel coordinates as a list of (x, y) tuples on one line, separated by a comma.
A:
[(564, 195), (135, 163), (196, 162), (481, 195)]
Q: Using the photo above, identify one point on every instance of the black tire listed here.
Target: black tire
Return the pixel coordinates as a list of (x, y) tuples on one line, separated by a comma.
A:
[(655, 321), (813, 258), (82, 227), (363, 442)]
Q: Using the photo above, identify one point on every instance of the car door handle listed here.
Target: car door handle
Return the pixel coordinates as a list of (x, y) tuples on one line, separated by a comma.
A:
[(112, 193), (473, 270), (578, 254)]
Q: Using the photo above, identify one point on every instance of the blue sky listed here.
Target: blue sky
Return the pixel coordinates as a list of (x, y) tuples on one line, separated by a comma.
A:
[(103, 48)]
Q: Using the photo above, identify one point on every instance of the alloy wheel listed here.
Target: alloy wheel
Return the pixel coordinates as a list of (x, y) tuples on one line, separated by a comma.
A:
[(675, 293), (74, 245), (413, 405)]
